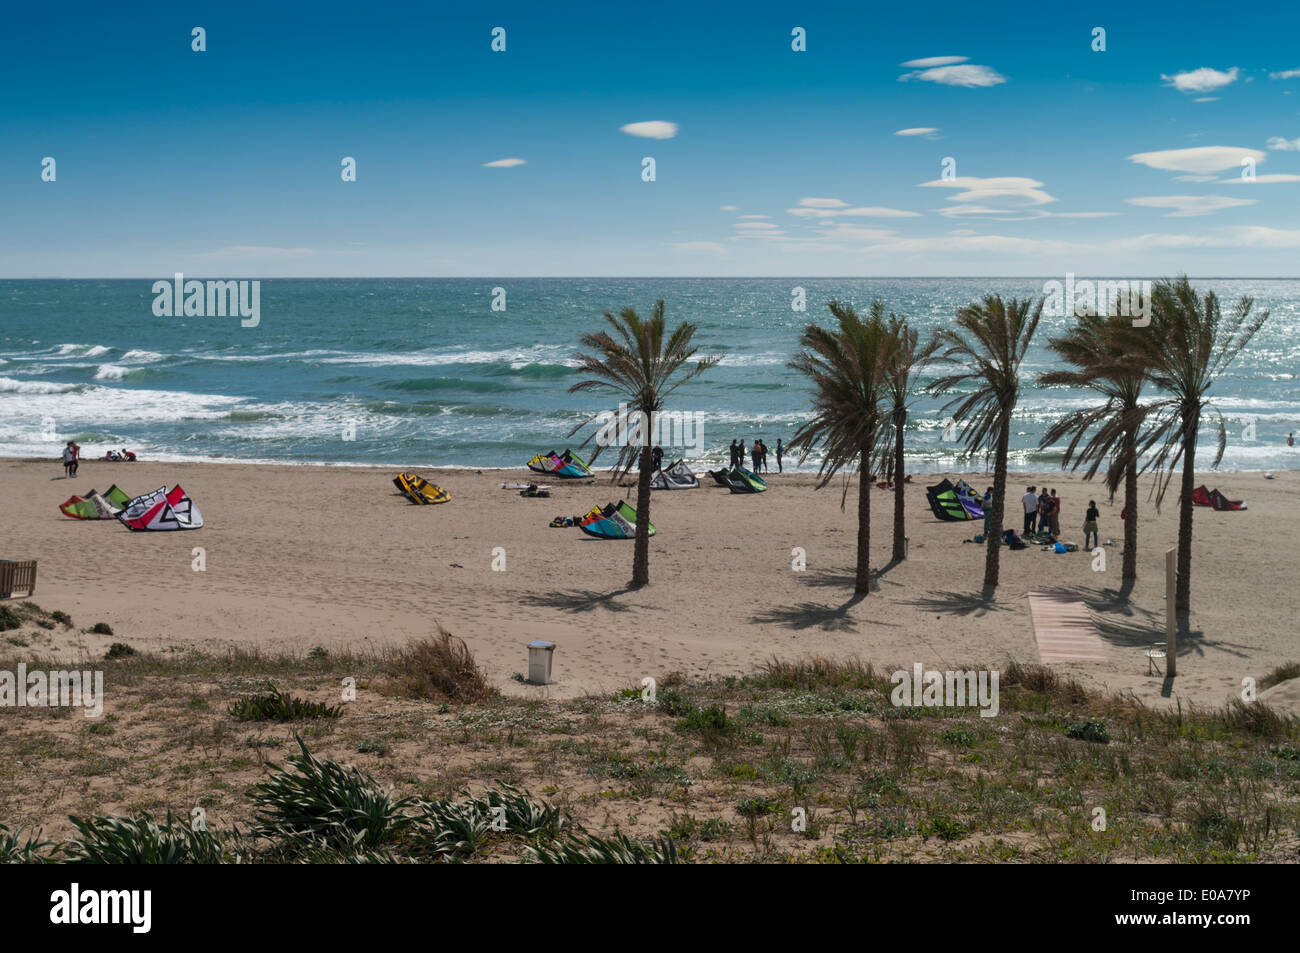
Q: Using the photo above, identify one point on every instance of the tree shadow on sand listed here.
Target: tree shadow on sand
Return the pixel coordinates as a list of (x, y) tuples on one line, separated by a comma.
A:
[(813, 615), (579, 600), (974, 604)]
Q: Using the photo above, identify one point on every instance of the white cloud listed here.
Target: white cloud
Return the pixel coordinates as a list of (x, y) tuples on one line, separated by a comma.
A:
[(840, 231), (1195, 178), (1005, 196), (755, 216), (1186, 206), (755, 226), (727, 208), (926, 131), (1207, 99), (1232, 236), (823, 203), (1285, 74), (1277, 143), (932, 61), (503, 163), (1083, 214), (872, 211), (653, 129), (1263, 179), (1201, 80), (967, 74), (1199, 159)]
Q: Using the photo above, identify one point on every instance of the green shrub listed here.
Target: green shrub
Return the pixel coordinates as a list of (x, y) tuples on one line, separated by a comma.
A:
[(101, 628), (118, 650), (1090, 730), (280, 706)]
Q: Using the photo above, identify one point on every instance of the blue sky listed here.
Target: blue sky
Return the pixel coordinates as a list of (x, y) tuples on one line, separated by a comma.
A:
[(773, 162)]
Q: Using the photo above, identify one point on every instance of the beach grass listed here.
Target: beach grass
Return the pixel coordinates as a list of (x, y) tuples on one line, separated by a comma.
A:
[(804, 761)]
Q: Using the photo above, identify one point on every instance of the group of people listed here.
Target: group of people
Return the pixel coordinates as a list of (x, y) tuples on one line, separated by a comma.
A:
[(72, 457), (757, 454), (1042, 512)]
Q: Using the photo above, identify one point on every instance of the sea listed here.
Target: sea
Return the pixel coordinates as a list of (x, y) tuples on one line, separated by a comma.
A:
[(477, 372)]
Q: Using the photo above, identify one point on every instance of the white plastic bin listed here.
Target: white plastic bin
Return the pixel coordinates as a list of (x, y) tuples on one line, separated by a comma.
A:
[(539, 662)]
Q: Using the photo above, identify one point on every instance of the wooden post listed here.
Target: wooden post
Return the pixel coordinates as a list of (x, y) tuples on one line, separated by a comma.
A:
[(1171, 613)]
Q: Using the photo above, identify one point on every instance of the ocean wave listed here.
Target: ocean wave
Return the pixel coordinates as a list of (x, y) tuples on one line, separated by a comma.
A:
[(142, 357), (10, 386), (111, 372)]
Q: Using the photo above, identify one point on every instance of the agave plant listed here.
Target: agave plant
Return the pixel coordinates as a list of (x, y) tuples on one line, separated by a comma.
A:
[(142, 840), (586, 848), (15, 849), (320, 803)]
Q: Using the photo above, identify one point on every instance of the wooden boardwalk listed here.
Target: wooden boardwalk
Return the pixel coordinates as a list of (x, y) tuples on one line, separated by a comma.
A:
[(1064, 630)]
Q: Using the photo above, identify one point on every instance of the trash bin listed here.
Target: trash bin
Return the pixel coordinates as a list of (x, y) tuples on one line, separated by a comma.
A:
[(539, 662)]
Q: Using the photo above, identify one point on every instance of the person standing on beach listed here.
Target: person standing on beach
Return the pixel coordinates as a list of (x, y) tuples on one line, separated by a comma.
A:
[(754, 454), (740, 453), (780, 452), (1030, 503), (762, 455), (658, 457), (1090, 526), (1290, 439), (733, 453), (1044, 513), (76, 456), (67, 459), (1056, 514)]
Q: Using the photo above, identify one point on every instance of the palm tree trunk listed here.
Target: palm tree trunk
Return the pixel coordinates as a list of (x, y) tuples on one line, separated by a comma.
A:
[(641, 557), (994, 542), (863, 581), (900, 419), (1191, 422), (1130, 571)]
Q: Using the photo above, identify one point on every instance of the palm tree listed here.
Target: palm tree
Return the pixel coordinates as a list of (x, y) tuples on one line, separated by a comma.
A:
[(909, 358), (1094, 345), (1187, 346), (991, 338), (847, 370), (632, 359)]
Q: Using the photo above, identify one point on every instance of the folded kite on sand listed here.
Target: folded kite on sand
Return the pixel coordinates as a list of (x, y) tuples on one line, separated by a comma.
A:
[(161, 510), (95, 505), (739, 480), (566, 465), (675, 476), (419, 490), (1213, 498), (954, 501), (616, 521)]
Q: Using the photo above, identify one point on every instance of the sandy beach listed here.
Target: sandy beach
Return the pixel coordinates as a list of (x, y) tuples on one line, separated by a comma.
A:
[(304, 556)]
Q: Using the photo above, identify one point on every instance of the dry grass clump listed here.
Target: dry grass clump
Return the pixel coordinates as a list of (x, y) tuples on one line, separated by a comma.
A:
[(441, 668)]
